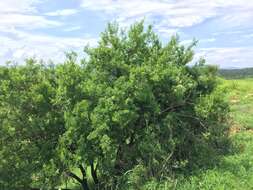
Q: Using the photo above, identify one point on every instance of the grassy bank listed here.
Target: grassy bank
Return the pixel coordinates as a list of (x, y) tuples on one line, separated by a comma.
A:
[(241, 99), (234, 171)]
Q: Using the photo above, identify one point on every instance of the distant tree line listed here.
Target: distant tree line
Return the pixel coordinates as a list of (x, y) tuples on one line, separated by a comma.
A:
[(236, 73)]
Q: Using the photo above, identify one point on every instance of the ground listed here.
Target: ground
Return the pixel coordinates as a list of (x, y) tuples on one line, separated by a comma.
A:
[(235, 170), (241, 99)]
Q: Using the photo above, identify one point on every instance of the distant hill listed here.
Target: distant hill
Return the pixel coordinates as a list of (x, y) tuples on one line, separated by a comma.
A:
[(236, 73)]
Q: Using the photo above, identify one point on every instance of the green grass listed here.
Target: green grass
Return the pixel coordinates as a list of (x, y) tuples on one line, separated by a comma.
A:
[(234, 171), (240, 94)]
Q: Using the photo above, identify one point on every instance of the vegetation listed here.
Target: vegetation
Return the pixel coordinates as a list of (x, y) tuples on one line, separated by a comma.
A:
[(236, 73), (132, 115), (241, 101), (235, 170)]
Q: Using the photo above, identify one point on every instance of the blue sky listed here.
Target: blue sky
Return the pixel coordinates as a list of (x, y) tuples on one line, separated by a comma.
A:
[(48, 28)]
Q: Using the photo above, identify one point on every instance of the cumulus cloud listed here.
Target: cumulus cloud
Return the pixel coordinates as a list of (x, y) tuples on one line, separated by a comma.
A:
[(25, 21), (25, 30), (169, 13), (19, 19), (18, 6), (172, 16), (44, 47), (167, 31), (73, 28), (172, 13), (23, 14), (63, 12), (227, 57), (207, 40)]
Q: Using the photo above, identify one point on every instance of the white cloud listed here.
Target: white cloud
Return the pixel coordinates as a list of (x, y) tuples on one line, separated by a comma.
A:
[(25, 21), (204, 40), (207, 40), (227, 57), (19, 6), (23, 14), (44, 47), (18, 16), (173, 14), (248, 35), (167, 32), (228, 32), (74, 28), (168, 16), (63, 12)]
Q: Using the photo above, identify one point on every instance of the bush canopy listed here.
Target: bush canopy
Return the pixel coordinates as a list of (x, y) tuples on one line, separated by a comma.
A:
[(132, 110)]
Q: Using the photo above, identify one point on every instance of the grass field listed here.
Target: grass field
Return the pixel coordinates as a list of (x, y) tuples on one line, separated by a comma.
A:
[(234, 171), (241, 99)]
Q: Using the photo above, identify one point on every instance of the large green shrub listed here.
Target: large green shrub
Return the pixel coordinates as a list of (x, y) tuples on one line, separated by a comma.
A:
[(133, 106), (30, 123)]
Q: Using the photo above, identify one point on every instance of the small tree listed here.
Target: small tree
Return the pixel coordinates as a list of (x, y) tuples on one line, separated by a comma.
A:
[(139, 103), (133, 105)]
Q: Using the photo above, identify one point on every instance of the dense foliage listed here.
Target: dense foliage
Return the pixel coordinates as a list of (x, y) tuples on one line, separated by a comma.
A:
[(133, 111), (236, 73)]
